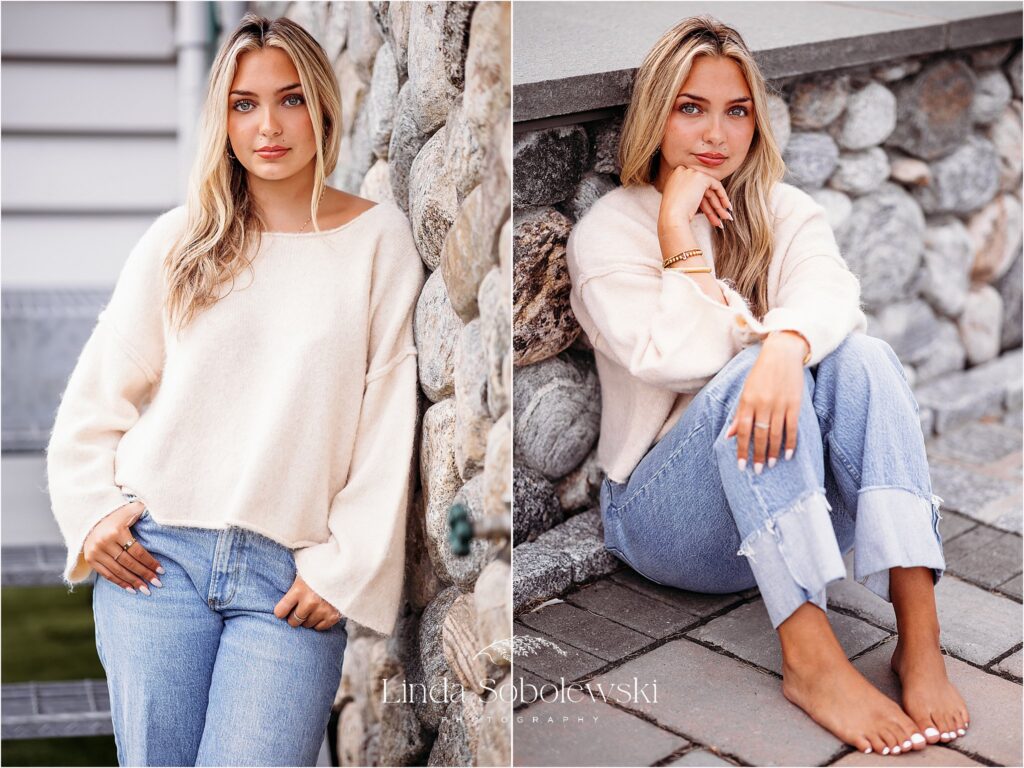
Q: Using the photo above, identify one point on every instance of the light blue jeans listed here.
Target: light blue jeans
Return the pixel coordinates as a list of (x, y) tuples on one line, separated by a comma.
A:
[(201, 672), (688, 517)]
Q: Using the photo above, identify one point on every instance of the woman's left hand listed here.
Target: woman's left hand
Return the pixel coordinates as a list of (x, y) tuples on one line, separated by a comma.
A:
[(771, 395), (300, 599)]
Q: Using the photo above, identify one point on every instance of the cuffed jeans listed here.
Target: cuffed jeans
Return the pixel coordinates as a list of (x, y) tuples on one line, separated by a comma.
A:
[(688, 517), (202, 672)]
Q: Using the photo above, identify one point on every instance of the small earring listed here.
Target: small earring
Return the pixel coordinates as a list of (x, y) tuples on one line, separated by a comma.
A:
[(230, 154)]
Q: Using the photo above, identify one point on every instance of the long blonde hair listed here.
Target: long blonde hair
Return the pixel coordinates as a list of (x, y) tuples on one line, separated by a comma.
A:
[(744, 250), (223, 218)]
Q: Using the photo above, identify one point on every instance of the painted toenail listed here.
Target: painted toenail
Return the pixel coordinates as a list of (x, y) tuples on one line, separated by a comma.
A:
[(867, 751), (885, 751), (907, 744), (931, 731), (961, 731), (945, 735), (895, 750), (917, 738)]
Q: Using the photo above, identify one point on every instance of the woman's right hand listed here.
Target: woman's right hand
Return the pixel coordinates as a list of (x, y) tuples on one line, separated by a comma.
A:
[(689, 191), (132, 567)]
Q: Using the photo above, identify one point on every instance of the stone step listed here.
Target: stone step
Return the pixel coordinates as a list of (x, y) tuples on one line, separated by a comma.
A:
[(985, 390), (55, 710), (38, 565)]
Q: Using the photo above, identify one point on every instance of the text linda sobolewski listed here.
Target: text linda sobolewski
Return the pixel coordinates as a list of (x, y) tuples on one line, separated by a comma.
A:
[(504, 650), (444, 692)]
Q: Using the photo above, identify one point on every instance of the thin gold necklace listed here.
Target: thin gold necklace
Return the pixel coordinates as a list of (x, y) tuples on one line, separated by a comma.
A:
[(317, 205)]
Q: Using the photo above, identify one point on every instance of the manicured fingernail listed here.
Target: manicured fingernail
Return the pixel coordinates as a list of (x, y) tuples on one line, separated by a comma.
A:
[(789, 454), (917, 738), (895, 750), (742, 464), (721, 226), (160, 569), (885, 751), (907, 744), (129, 589), (961, 731), (771, 461), (931, 732), (155, 581), (758, 466), (730, 218), (145, 590)]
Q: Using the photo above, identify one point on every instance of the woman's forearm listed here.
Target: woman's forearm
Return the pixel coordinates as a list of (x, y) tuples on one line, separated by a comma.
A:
[(678, 238)]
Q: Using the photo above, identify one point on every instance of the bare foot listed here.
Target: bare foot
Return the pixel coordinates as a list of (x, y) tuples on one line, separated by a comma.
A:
[(928, 696), (818, 678)]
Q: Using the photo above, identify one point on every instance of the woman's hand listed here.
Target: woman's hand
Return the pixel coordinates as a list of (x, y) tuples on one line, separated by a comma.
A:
[(313, 611), (771, 395), (689, 191), (103, 551)]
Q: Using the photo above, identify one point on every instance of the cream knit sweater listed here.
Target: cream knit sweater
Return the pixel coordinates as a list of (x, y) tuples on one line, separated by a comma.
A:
[(658, 338), (287, 408)]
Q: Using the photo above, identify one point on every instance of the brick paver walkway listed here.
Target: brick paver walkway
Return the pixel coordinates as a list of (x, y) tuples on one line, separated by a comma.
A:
[(716, 661)]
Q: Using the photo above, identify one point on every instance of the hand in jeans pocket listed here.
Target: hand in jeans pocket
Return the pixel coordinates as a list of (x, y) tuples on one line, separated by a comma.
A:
[(103, 550)]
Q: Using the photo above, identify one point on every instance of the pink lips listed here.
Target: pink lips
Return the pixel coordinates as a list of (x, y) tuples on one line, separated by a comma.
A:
[(271, 154), (710, 161)]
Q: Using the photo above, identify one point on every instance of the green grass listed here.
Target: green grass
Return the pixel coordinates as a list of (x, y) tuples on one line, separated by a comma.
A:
[(86, 750), (48, 634)]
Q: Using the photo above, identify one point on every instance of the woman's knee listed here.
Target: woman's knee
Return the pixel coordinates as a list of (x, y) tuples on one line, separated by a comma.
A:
[(864, 351), (727, 384)]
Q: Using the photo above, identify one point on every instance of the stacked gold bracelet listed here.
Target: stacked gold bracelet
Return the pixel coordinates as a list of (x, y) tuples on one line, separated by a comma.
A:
[(683, 257)]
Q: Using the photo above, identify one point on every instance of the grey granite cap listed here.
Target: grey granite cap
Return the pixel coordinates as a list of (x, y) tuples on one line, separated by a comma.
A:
[(574, 57)]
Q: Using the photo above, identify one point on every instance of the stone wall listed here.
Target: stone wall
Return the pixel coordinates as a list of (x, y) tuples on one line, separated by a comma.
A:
[(425, 91), (918, 164)]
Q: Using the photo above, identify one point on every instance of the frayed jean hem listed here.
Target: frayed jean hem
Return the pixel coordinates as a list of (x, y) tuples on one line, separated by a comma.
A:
[(896, 528), (794, 556)]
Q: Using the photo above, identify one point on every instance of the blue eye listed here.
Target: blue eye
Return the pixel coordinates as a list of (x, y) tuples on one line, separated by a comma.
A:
[(286, 98), (683, 109)]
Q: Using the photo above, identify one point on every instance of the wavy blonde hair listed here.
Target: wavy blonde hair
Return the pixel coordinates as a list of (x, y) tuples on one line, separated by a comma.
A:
[(223, 218), (744, 250)]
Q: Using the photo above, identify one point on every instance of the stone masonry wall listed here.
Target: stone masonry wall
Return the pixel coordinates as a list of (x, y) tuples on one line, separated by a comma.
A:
[(425, 91), (918, 164)]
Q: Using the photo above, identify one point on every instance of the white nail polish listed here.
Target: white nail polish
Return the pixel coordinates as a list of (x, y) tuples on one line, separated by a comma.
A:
[(129, 589), (742, 464), (885, 751), (156, 582), (931, 731), (867, 751), (895, 750), (907, 744), (789, 454), (145, 590), (944, 735), (758, 466), (961, 731), (771, 462), (917, 738)]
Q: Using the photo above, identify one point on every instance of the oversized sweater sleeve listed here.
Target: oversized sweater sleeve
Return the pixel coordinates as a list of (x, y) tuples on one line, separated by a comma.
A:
[(113, 379), (818, 296), (656, 323), (359, 570)]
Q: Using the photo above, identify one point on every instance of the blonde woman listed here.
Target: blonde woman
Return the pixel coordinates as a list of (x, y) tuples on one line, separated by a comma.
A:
[(230, 460), (751, 433)]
